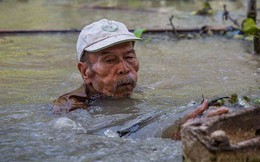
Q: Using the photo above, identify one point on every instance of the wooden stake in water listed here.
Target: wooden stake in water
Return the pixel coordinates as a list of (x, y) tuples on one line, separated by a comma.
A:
[(251, 9), (251, 13), (257, 43)]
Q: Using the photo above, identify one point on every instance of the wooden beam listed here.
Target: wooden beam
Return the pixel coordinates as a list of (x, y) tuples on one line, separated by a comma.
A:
[(180, 30)]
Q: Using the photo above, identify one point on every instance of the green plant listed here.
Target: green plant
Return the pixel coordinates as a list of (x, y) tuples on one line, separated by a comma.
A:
[(139, 32), (249, 27)]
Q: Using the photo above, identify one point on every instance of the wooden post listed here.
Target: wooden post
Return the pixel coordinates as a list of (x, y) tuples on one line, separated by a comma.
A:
[(257, 43), (251, 9), (251, 13)]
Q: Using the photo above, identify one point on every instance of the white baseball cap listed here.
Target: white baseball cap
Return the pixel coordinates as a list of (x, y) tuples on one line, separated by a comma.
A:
[(102, 34)]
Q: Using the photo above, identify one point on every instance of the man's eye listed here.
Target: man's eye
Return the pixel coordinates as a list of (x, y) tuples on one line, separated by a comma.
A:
[(109, 60), (129, 58)]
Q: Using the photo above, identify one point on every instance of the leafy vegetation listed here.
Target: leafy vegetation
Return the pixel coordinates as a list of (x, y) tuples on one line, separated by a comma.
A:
[(206, 10), (139, 32), (249, 27), (233, 99)]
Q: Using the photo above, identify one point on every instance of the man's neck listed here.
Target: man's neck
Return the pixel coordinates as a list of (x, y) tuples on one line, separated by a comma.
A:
[(92, 93)]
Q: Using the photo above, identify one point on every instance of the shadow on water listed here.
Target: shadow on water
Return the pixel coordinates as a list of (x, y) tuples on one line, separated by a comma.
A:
[(35, 69)]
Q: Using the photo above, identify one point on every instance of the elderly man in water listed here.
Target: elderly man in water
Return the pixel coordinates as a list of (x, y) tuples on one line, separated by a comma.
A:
[(108, 66), (107, 63)]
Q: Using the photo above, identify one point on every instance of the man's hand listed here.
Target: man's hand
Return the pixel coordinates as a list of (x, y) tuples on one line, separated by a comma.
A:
[(198, 112)]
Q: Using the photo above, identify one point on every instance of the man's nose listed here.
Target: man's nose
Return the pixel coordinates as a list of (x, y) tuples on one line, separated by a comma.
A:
[(123, 68)]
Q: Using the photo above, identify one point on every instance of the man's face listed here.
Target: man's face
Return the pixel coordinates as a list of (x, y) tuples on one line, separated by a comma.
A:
[(113, 71)]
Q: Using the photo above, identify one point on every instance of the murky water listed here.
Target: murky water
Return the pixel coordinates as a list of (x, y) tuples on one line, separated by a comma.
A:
[(35, 69)]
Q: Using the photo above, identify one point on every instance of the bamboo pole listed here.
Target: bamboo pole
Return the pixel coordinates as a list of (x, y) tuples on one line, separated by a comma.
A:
[(36, 31), (180, 30)]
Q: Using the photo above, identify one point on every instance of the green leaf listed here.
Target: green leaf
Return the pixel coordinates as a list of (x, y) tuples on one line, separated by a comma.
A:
[(221, 102), (207, 5), (256, 101), (233, 99), (206, 10), (139, 32), (249, 38), (238, 36), (249, 27), (246, 98)]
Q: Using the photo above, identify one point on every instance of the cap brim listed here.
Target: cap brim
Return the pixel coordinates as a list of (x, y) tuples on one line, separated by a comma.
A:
[(110, 42)]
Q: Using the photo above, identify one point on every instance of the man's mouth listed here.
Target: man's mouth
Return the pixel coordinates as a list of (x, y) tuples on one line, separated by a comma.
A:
[(125, 82)]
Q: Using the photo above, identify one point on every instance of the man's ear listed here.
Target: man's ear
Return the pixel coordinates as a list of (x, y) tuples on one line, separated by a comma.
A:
[(85, 72)]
